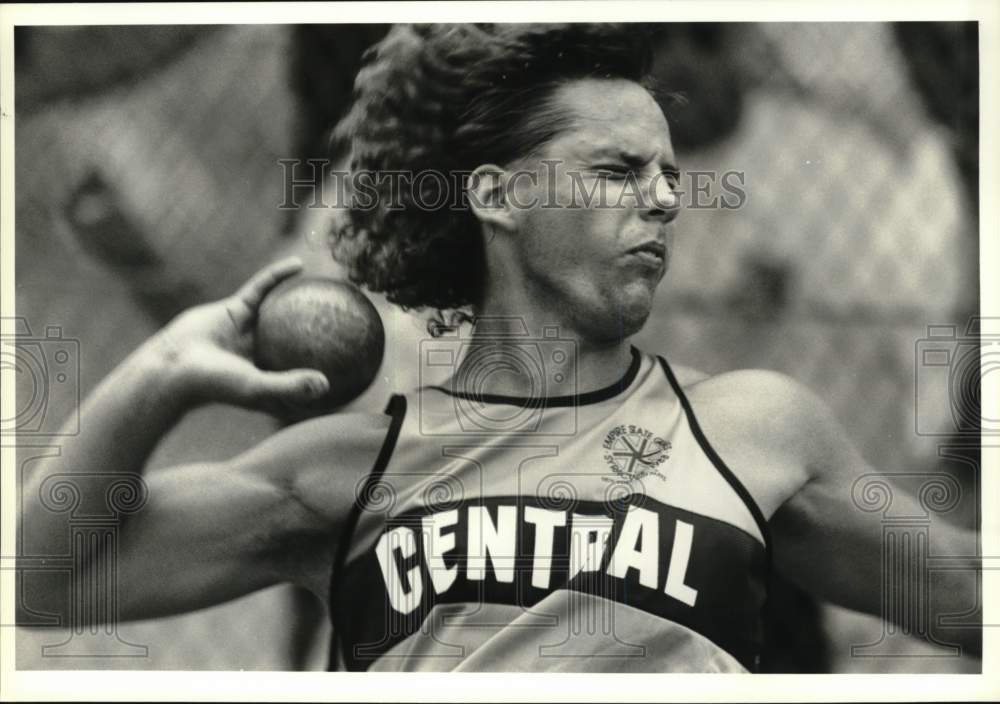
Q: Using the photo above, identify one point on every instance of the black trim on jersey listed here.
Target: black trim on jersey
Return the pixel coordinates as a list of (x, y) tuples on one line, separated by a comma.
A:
[(571, 401), (719, 463), (397, 409)]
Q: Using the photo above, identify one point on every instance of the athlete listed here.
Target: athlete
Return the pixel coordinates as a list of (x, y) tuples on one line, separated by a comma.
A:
[(610, 512)]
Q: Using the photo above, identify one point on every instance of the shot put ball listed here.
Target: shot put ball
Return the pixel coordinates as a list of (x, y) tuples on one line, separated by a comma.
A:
[(321, 324)]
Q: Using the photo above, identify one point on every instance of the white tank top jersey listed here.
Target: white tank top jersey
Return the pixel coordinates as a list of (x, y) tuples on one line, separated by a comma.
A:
[(606, 535)]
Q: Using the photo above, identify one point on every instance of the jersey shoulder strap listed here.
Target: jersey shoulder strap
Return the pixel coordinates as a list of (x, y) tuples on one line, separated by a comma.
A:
[(716, 460), (396, 408)]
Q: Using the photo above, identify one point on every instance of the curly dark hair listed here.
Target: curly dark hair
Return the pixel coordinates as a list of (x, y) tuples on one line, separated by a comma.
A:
[(448, 98)]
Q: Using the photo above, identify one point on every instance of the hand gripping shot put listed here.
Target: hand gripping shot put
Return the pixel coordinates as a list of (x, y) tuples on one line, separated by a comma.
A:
[(331, 326)]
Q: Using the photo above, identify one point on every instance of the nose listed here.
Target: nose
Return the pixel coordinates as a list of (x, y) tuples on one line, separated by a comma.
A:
[(661, 199)]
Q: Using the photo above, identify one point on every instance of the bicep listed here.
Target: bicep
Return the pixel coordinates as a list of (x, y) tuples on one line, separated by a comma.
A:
[(207, 533), (824, 543), (823, 540), (210, 533)]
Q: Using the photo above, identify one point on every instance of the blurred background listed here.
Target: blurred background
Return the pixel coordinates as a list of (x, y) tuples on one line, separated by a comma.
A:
[(147, 180)]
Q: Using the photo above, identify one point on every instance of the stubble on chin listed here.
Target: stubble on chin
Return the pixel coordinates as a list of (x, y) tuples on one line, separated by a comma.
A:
[(613, 322)]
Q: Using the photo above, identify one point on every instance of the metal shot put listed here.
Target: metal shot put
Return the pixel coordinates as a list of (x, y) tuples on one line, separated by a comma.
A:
[(330, 326)]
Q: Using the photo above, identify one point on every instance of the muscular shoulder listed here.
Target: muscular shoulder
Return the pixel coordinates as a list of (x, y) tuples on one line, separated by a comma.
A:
[(336, 435), (765, 404), (751, 397), (766, 426), (320, 461), (311, 471), (687, 376)]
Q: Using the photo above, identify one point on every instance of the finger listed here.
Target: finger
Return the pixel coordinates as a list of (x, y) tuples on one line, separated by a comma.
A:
[(239, 382), (257, 287), (290, 388)]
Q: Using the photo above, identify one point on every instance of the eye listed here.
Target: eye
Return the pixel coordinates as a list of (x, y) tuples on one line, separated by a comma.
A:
[(672, 177), (614, 171)]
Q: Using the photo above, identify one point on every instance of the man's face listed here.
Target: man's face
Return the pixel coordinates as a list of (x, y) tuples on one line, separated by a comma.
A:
[(601, 253)]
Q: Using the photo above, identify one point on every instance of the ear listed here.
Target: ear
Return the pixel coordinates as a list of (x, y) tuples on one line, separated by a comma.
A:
[(486, 190)]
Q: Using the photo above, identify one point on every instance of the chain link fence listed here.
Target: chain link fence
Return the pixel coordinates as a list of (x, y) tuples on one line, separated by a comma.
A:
[(155, 183)]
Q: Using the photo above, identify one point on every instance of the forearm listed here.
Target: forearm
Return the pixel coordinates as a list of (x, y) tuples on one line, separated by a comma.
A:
[(924, 576), (121, 422), (194, 520), (954, 581)]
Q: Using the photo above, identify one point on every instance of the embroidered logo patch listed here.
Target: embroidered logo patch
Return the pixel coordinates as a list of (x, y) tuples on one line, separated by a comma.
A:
[(633, 452)]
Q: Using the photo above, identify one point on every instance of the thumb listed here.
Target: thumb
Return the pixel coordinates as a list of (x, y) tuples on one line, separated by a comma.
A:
[(295, 387)]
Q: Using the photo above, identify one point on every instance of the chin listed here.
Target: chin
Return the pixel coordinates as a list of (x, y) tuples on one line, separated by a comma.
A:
[(632, 321), (635, 303), (624, 318)]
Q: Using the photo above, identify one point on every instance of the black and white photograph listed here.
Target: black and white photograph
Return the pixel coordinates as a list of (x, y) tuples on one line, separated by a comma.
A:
[(523, 340)]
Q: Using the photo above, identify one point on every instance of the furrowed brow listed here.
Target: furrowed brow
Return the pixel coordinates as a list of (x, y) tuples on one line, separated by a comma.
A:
[(635, 161)]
